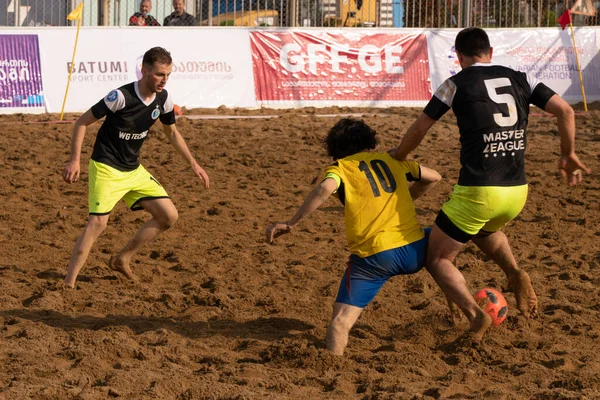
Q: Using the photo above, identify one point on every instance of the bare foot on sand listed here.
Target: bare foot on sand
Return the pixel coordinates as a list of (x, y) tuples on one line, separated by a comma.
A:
[(63, 286), (479, 325), (520, 283), (117, 265)]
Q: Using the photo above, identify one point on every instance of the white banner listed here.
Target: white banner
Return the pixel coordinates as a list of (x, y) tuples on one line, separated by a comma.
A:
[(213, 66), (546, 53), (207, 72)]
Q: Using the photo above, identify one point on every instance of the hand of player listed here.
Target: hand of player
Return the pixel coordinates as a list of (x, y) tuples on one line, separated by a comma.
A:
[(201, 174), (70, 172), (392, 152), (141, 21), (572, 169), (277, 229)]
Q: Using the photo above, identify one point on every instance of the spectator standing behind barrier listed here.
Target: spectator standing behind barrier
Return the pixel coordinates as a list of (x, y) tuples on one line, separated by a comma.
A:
[(179, 17), (143, 18)]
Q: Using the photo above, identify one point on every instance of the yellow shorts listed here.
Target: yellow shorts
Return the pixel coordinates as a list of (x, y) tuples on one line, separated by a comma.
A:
[(472, 209), (108, 185)]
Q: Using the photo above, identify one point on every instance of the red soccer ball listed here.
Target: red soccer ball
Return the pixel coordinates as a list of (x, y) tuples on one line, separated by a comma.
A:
[(177, 110), (493, 303)]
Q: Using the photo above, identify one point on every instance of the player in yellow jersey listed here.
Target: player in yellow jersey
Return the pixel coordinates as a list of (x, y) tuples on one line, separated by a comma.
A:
[(384, 236)]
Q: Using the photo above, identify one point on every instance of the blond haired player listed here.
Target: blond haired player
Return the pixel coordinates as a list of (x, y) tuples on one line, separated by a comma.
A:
[(382, 230), (114, 170)]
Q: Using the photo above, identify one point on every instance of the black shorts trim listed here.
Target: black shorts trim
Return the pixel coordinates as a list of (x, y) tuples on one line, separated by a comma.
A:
[(448, 227), (136, 206), (482, 234), (105, 213)]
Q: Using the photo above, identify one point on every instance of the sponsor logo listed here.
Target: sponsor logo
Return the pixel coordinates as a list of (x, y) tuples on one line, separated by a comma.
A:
[(154, 179), (194, 70), (20, 72), (202, 70), (504, 143), (112, 96), (132, 136), (340, 66), (455, 64), (99, 71), (15, 70), (23, 74), (370, 58)]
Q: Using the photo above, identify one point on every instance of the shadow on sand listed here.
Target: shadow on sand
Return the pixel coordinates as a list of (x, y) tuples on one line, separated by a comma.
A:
[(261, 328)]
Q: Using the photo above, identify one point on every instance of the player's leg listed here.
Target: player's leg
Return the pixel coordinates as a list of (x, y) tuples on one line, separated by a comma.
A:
[(104, 191), (461, 218), (496, 247), (94, 228), (358, 288), (164, 214), (146, 194), (442, 251), (508, 203), (343, 319), (411, 259)]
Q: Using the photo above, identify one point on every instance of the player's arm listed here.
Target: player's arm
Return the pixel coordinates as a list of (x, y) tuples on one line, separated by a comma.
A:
[(177, 141), (313, 201), (413, 137), (429, 178), (439, 104), (569, 165), (70, 172)]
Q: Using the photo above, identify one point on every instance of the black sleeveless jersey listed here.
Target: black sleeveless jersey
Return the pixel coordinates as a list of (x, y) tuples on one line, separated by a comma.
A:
[(126, 126), (491, 104)]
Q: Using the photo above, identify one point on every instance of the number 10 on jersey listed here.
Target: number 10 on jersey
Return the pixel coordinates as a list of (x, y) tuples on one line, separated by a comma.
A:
[(383, 174)]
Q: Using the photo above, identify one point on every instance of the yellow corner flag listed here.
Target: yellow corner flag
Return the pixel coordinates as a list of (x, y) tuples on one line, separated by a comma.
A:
[(76, 13)]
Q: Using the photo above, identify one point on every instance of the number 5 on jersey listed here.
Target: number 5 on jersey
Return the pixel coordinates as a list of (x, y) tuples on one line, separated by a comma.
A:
[(506, 98)]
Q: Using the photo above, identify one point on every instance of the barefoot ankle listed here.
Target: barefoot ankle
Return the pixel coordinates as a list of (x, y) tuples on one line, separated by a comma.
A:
[(480, 324)]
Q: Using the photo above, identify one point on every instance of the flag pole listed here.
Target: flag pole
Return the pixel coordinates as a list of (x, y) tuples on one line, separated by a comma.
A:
[(578, 66), (62, 110)]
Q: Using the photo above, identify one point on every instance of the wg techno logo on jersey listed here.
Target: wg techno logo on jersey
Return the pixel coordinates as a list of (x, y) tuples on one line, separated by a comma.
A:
[(99, 71)]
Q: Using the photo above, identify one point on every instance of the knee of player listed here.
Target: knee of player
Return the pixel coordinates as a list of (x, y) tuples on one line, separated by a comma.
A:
[(341, 323), (97, 223), (169, 219)]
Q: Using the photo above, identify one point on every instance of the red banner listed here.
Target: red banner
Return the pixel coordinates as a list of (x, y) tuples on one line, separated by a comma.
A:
[(340, 65)]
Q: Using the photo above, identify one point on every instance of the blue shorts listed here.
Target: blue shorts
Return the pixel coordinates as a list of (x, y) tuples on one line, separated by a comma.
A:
[(364, 277)]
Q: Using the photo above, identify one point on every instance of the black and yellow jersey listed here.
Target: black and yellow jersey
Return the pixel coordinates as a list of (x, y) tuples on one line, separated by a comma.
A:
[(491, 104), (128, 119), (378, 210)]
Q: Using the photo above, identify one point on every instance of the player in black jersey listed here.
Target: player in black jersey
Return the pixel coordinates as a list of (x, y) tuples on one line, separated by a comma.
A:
[(491, 104), (114, 170)]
